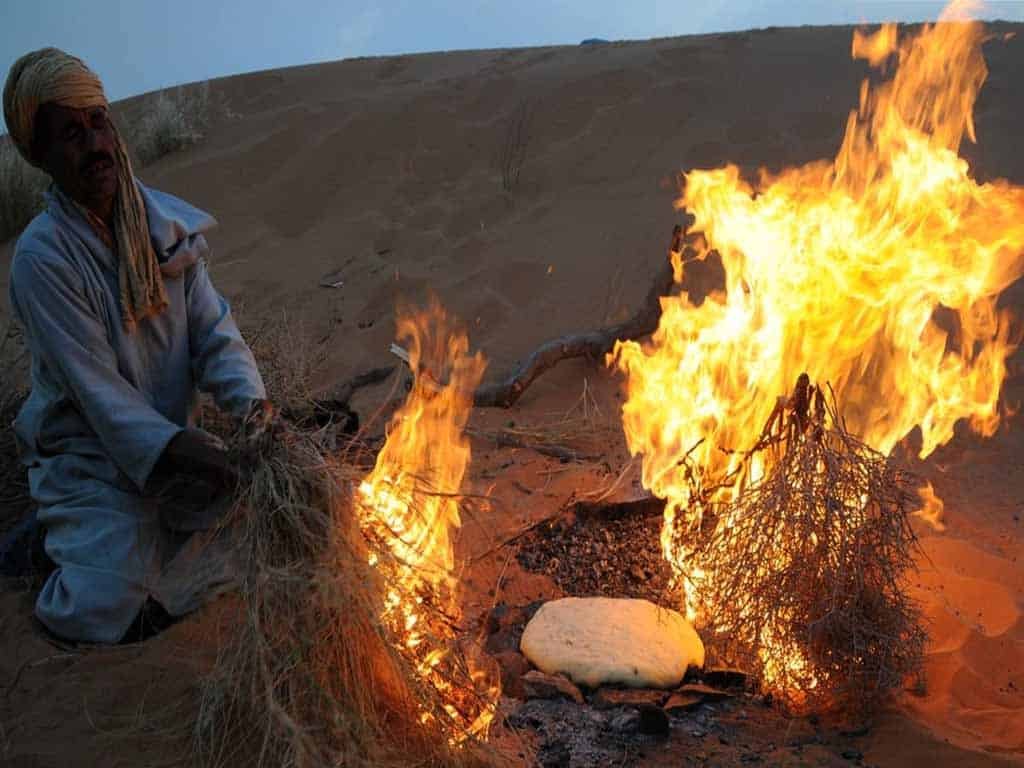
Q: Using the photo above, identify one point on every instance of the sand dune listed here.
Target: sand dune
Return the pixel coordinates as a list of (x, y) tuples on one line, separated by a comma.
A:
[(384, 173)]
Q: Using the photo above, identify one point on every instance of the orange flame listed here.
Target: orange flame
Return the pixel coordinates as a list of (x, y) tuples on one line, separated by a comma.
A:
[(410, 497), (932, 507), (838, 269)]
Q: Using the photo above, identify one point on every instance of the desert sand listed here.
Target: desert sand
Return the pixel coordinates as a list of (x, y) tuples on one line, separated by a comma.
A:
[(382, 173)]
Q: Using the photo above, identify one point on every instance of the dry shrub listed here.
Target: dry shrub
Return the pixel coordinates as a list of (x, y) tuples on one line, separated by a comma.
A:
[(516, 134), (171, 121), (805, 567), (21, 190), (312, 677), (15, 501), (289, 357)]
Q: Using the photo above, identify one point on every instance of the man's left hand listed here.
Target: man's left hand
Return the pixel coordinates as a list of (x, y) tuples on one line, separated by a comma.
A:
[(262, 419)]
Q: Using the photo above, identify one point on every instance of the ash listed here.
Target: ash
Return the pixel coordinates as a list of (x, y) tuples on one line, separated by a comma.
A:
[(572, 736), (612, 553)]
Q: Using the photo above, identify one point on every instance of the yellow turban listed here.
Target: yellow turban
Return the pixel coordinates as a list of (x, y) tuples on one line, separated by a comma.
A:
[(51, 75)]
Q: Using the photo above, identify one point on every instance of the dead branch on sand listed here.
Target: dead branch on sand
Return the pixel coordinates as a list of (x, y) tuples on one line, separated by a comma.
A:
[(593, 345), (803, 568)]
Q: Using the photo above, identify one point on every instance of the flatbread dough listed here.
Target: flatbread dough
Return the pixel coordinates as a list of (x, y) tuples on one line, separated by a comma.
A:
[(598, 640)]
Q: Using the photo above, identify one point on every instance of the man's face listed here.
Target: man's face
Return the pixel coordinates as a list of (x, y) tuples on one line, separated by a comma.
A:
[(76, 147)]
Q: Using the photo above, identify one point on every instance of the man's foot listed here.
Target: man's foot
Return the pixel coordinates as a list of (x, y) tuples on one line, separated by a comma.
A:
[(22, 554)]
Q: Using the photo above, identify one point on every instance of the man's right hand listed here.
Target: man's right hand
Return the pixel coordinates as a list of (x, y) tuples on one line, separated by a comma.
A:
[(195, 451)]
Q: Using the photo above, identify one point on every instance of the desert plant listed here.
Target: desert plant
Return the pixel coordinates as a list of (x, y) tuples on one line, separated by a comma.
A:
[(515, 143), (803, 570), (14, 494), (288, 357), (21, 190), (171, 121)]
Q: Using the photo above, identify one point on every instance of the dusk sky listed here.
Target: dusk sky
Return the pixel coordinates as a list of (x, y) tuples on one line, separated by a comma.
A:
[(144, 45)]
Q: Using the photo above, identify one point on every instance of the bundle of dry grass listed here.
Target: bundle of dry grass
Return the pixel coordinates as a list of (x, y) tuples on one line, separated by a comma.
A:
[(803, 569), (312, 677)]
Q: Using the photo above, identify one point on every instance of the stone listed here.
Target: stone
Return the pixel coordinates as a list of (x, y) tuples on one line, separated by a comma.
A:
[(706, 692), (626, 722), (599, 640), (607, 698), (683, 702), (539, 685), (513, 666), (725, 677), (653, 720)]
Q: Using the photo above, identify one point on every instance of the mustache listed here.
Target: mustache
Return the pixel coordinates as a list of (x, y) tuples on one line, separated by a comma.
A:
[(96, 157)]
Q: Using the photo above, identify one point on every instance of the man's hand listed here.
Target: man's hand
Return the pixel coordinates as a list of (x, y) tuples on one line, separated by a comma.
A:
[(261, 420), (196, 452)]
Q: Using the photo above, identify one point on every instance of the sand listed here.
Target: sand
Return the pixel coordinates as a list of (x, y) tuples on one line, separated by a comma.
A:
[(383, 173)]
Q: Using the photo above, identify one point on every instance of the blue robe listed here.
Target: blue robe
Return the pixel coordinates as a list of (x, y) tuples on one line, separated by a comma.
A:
[(103, 406)]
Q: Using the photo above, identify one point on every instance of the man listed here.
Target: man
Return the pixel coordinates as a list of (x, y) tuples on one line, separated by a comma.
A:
[(123, 326)]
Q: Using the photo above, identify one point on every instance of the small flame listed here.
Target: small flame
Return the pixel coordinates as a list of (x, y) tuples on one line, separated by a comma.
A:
[(410, 499), (837, 269), (933, 509)]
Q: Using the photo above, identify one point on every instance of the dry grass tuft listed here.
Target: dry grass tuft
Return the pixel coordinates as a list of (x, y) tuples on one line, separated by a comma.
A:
[(805, 567), (15, 501), (21, 190), (289, 358), (517, 129), (172, 120)]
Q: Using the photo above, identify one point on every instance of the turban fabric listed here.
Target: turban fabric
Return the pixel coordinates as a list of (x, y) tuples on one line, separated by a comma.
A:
[(50, 75)]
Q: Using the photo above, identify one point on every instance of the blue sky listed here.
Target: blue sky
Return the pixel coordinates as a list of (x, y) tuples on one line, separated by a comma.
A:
[(143, 45)]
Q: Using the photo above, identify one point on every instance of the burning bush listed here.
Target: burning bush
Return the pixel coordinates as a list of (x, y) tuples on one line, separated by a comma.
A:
[(842, 269), (808, 564)]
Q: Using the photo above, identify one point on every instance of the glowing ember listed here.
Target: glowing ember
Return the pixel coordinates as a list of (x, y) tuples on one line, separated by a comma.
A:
[(837, 269), (410, 498)]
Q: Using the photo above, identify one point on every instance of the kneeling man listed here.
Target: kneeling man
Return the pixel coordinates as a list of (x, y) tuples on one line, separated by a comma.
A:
[(124, 328)]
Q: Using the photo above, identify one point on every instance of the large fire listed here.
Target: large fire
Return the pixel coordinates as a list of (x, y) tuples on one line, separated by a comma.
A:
[(878, 272), (410, 499)]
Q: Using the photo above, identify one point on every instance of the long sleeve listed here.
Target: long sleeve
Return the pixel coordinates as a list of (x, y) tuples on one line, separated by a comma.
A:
[(222, 362), (69, 339)]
